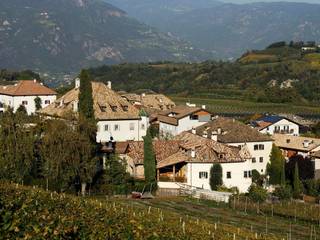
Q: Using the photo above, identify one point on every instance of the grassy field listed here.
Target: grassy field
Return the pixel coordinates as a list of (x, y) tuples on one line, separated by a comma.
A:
[(237, 106)]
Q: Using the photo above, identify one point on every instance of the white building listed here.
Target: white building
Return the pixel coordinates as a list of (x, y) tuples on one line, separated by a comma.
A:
[(24, 93), (276, 124), (180, 119), (116, 118), (296, 145), (235, 133), (188, 158)]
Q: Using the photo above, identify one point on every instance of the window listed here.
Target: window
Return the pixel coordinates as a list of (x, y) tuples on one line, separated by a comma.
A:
[(106, 127), (117, 127), (250, 174), (24, 103), (262, 170), (261, 159), (258, 147), (47, 102), (203, 175), (228, 175), (254, 160), (131, 126), (143, 127), (245, 174)]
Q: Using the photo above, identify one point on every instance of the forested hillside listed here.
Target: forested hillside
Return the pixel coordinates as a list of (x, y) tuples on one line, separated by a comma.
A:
[(66, 35), (276, 74)]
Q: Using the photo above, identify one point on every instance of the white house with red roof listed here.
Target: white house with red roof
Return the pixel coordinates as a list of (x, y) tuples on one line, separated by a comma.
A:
[(24, 93)]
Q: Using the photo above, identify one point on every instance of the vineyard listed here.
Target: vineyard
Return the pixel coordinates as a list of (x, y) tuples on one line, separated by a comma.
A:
[(234, 106), (32, 213)]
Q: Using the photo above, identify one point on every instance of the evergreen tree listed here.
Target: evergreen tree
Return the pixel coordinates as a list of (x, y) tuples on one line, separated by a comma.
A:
[(216, 177), (297, 186), (38, 103), (85, 96), (276, 167), (149, 159)]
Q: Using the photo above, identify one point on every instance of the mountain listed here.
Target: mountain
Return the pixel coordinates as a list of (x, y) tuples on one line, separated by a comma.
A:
[(226, 30), (155, 12), (66, 35)]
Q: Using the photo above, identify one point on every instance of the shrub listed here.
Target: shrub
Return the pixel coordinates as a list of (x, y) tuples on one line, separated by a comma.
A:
[(257, 193), (215, 177), (283, 192)]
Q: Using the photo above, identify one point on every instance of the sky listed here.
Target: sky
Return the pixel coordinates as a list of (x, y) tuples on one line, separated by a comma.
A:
[(247, 1)]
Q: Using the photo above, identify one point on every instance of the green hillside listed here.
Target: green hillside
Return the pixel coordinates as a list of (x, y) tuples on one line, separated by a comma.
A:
[(277, 75)]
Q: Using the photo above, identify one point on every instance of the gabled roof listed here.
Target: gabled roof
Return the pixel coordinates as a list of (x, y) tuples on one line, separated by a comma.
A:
[(231, 131), (26, 88), (107, 104), (173, 115), (303, 144), (266, 121)]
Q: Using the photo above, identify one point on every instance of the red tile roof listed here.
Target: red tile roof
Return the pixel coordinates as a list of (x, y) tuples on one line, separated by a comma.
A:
[(26, 88)]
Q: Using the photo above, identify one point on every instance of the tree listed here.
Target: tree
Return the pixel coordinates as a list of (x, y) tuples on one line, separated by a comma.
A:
[(22, 109), (216, 177), (297, 187), (276, 167), (149, 159), (257, 193), (38, 103), (283, 192), (68, 154), (16, 146), (256, 177), (85, 96)]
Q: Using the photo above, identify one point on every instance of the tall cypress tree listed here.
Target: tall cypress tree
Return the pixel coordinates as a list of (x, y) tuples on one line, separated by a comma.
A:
[(149, 159), (297, 187), (85, 97), (276, 167), (216, 177)]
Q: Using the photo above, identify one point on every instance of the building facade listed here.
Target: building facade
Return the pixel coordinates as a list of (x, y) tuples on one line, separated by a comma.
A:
[(24, 93)]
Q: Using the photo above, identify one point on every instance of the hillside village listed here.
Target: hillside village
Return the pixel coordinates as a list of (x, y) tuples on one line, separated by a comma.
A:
[(189, 139)]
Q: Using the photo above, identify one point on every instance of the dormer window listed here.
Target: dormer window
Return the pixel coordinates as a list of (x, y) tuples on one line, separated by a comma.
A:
[(114, 108), (221, 156), (125, 108)]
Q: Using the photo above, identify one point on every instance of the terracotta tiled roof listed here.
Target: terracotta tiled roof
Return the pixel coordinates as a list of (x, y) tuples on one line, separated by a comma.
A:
[(207, 150), (162, 149), (232, 131), (26, 88), (316, 154), (107, 104), (303, 144)]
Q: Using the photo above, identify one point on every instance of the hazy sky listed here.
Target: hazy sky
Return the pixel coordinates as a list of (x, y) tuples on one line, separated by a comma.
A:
[(246, 1)]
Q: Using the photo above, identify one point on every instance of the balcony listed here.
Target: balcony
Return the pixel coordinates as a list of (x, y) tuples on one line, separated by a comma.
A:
[(166, 178)]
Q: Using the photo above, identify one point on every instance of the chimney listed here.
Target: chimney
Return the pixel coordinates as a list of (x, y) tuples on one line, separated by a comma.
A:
[(34, 80), (306, 143), (143, 95), (75, 106), (61, 103), (109, 85), (193, 153), (205, 134), (193, 131), (77, 83), (214, 136), (203, 106), (219, 131)]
